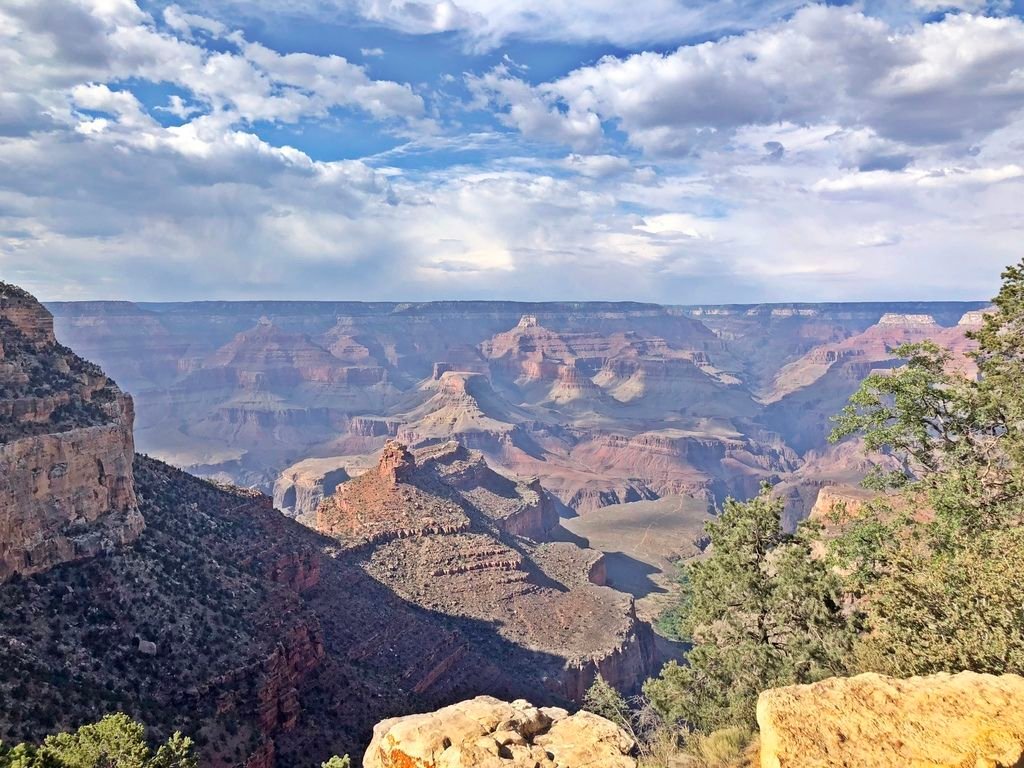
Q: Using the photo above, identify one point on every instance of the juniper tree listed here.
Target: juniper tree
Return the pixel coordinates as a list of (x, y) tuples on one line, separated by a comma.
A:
[(760, 612), (936, 565)]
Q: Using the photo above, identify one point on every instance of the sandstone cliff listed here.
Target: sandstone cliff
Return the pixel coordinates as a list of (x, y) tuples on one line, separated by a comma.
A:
[(283, 646), (871, 721), (66, 448)]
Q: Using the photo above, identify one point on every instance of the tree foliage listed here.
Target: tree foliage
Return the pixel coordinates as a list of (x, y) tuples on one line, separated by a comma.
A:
[(116, 741), (936, 566), (760, 612)]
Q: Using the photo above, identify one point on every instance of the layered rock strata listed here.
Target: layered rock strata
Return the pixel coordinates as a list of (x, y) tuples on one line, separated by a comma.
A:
[(66, 448), (452, 535)]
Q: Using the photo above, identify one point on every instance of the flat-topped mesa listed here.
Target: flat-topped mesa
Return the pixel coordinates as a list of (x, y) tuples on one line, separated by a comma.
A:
[(975, 318), (440, 369), (894, 318), (66, 449), (528, 321)]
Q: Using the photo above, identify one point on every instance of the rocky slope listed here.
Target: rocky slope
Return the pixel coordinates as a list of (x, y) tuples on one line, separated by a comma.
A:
[(66, 449), (450, 534), (806, 391), (284, 646)]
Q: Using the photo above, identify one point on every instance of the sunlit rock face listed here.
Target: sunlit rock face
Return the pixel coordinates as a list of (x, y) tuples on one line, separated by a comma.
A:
[(66, 448), (577, 394), (873, 721), (486, 731), (450, 534)]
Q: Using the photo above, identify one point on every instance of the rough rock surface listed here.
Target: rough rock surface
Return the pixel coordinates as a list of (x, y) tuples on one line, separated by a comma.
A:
[(872, 721), (301, 488), (66, 448), (487, 733), (239, 390), (234, 602)]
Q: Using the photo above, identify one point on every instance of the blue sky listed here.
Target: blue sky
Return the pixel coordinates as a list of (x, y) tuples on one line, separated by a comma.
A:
[(664, 150)]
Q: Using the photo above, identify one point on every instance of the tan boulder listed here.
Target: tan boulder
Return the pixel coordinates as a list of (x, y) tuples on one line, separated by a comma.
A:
[(872, 721), (487, 733)]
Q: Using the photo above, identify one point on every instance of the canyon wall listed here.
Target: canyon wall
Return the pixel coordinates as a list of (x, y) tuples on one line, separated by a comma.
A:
[(66, 485)]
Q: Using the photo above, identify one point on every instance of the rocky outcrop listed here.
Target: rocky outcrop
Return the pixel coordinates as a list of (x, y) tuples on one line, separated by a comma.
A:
[(65, 497), (487, 732), (66, 449), (975, 318), (450, 534), (838, 503), (379, 505), (872, 721), (27, 316)]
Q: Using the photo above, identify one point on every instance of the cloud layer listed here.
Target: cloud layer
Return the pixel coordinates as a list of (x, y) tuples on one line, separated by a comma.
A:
[(827, 155)]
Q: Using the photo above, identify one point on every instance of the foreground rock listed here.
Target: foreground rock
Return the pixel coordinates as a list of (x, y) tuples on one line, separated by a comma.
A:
[(488, 733), (872, 721)]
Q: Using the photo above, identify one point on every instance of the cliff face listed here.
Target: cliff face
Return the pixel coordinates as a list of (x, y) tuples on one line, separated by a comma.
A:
[(66, 448)]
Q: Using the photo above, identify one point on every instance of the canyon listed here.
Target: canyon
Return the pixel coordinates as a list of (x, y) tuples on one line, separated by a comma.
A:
[(430, 578), (439, 475), (611, 406)]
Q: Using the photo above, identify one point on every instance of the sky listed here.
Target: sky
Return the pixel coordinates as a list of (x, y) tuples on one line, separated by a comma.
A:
[(677, 151)]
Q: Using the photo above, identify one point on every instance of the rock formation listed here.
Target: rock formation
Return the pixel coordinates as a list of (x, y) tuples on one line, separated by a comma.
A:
[(836, 503), (285, 646), (487, 732), (300, 488), (872, 721), (448, 533), (607, 404), (66, 449)]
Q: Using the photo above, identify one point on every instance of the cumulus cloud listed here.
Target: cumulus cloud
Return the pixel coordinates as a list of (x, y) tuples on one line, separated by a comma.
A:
[(827, 156), (51, 46), (486, 24), (954, 80)]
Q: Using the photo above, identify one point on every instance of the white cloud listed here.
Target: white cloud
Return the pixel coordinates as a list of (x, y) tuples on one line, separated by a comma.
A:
[(829, 156), (598, 166), (950, 81), (532, 113), (51, 46), (486, 24), (938, 177)]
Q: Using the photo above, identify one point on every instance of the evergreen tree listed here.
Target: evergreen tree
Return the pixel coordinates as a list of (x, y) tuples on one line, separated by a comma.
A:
[(760, 611), (116, 741), (935, 566)]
